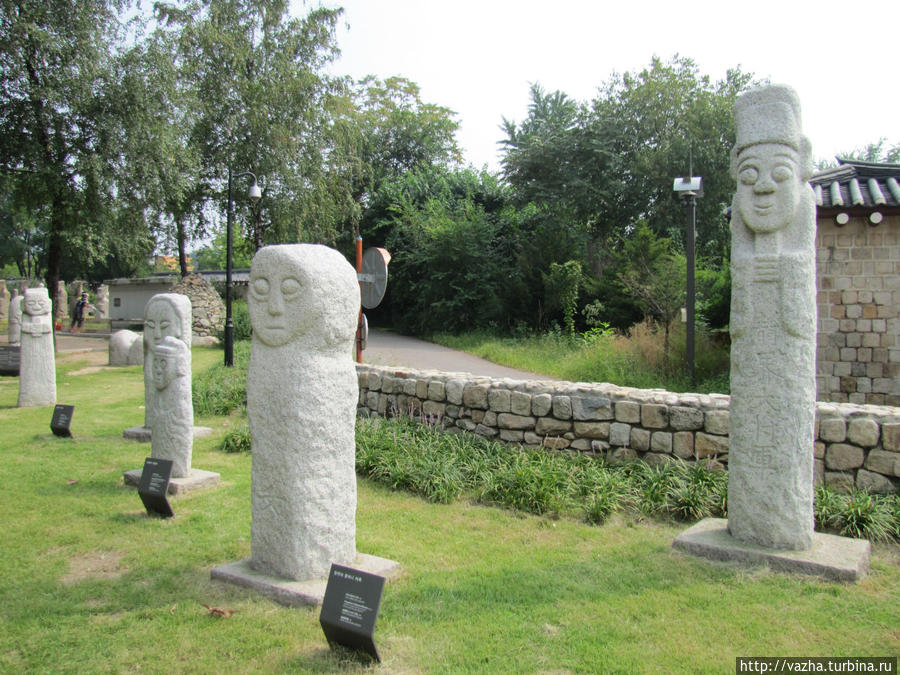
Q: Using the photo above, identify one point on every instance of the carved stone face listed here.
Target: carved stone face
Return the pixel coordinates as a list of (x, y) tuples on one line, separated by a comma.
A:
[(161, 322), (277, 301), (163, 370), (37, 302), (768, 186)]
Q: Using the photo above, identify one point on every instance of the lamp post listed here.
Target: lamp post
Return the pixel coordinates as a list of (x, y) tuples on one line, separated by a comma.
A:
[(255, 196), (690, 189)]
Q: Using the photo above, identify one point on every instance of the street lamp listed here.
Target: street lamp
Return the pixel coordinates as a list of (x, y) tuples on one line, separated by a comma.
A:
[(255, 196), (690, 189)]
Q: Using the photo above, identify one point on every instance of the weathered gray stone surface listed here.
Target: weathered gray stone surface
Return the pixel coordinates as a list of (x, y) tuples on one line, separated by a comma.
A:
[(172, 418), (102, 303), (296, 593), (126, 348), (62, 300), (302, 392), (14, 329), (532, 421), (37, 364), (4, 300), (207, 308), (165, 315), (835, 558), (773, 325)]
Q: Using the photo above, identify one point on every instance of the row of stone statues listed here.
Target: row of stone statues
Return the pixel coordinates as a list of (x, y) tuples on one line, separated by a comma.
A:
[(64, 306)]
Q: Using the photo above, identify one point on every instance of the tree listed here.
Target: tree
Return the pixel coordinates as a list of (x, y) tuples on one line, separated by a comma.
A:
[(58, 139), (382, 130), (262, 99), (654, 275), (877, 152)]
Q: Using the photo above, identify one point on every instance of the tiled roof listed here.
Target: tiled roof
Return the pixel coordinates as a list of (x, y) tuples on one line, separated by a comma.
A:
[(856, 185)]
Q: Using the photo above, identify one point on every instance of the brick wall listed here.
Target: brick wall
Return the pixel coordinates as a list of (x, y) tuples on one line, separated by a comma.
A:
[(858, 279)]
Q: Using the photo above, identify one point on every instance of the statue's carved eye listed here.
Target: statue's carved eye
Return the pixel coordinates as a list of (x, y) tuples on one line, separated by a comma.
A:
[(290, 287), (261, 286), (782, 172), (749, 175)]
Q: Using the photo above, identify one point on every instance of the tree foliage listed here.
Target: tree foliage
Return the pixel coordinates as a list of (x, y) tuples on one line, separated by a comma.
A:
[(60, 134)]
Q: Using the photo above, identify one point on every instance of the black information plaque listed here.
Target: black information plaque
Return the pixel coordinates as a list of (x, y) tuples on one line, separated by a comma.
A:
[(9, 360), (350, 609), (62, 419), (154, 486)]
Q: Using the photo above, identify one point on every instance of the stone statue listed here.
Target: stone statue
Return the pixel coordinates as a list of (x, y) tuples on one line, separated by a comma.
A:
[(62, 301), (37, 369), (773, 325), (102, 303), (4, 300), (126, 348), (14, 329), (301, 402), (165, 315), (173, 411)]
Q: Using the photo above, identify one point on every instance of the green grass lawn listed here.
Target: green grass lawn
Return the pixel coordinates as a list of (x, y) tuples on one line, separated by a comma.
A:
[(89, 583)]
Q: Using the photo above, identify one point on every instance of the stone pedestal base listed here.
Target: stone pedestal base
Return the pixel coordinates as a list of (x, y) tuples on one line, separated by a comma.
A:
[(197, 480), (832, 557), (143, 435), (296, 593)]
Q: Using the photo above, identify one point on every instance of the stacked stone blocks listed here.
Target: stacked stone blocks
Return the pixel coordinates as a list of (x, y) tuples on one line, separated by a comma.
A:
[(858, 352), (856, 445)]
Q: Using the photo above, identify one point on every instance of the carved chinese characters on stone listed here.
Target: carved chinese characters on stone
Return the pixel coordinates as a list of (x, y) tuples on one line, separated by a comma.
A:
[(37, 369), (773, 325), (301, 402), (173, 411)]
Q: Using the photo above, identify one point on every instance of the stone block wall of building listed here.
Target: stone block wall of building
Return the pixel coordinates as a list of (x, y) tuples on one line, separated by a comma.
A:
[(858, 280), (856, 445)]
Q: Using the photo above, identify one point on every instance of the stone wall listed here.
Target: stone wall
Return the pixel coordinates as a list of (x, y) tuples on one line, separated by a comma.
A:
[(858, 280), (207, 308), (855, 444)]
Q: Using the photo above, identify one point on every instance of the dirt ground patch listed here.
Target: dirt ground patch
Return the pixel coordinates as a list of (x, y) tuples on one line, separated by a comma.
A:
[(94, 565), (96, 360)]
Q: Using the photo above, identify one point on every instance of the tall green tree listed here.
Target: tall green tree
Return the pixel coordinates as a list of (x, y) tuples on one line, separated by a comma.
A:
[(58, 139), (262, 98), (382, 130)]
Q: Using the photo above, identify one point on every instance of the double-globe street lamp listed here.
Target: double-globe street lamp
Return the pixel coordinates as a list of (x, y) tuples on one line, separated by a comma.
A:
[(255, 196)]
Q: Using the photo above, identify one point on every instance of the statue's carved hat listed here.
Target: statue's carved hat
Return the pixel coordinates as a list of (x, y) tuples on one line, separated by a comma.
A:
[(771, 114)]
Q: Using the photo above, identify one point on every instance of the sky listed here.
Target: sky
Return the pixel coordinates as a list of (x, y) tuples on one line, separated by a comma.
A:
[(480, 57)]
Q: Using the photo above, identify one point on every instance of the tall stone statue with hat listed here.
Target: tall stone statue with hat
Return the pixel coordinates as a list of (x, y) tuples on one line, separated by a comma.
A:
[(773, 324)]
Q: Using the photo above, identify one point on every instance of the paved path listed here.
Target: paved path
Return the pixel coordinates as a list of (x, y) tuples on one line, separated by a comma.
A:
[(384, 349), (390, 349)]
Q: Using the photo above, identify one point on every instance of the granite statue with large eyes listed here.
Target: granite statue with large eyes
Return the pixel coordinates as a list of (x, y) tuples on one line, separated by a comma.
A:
[(165, 315), (37, 360), (773, 324), (302, 393)]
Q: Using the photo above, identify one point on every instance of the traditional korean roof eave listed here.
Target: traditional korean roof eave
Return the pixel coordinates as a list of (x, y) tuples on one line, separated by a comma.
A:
[(856, 188)]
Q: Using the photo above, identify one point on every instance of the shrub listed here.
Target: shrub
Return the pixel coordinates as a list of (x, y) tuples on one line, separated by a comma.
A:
[(237, 440), (240, 319), (220, 390)]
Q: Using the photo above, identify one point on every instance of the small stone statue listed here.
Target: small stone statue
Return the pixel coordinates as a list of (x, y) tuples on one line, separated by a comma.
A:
[(302, 391), (14, 329), (102, 303), (165, 315), (173, 410), (773, 325), (37, 369), (62, 301), (4, 300)]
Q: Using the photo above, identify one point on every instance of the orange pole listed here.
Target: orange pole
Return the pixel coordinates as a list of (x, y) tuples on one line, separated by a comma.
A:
[(359, 320)]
